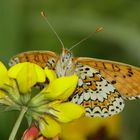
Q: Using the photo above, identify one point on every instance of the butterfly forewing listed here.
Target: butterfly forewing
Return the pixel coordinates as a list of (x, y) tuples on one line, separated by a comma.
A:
[(125, 78), (96, 94), (41, 58), (102, 84)]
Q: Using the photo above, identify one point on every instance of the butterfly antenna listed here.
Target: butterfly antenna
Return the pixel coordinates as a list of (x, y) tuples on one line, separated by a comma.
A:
[(46, 19), (98, 29)]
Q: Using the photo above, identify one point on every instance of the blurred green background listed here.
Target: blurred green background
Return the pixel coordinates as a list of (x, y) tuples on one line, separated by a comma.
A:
[(22, 29)]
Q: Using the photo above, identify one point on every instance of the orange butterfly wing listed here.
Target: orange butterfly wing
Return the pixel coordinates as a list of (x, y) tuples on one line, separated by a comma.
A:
[(125, 78), (41, 58)]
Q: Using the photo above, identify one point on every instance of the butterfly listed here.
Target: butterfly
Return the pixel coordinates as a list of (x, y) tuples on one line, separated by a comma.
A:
[(102, 86)]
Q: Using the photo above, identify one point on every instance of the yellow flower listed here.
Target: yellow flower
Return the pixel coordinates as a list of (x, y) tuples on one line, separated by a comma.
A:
[(59, 112), (61, 88), (5, 84), (4, 79), (55, 93), (50, 74), (27, 75), (2, 94), (65, 112), (108, 128), (47, 107), (17, 80), (49, 127)]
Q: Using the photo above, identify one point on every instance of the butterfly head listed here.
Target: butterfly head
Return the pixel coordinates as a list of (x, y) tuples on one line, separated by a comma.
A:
[(65, 65), (66, 55)]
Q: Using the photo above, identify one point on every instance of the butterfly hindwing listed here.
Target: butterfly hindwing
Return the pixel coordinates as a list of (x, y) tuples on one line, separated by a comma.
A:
[(41, 58), (97, 95), (125, 78)]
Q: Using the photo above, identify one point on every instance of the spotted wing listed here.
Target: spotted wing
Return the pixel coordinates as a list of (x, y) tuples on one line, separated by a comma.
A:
[(96, 94), (125, 78), (41, 58)]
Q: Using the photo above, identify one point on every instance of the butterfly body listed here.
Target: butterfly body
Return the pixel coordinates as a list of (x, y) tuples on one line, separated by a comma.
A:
[(102, 85), (65, 66)]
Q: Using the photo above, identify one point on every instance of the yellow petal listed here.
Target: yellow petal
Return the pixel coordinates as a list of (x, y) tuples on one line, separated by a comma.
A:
[(50, 74), (4, 79), (61, 88), (49, 128), (66, 112), (40, 74), (2, 94), (27, 75)]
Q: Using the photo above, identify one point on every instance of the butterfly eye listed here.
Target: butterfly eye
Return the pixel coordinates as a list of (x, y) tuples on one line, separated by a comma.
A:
[(69, 55)]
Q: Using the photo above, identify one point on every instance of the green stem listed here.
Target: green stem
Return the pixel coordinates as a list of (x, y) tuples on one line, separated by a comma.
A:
[(17, 124)]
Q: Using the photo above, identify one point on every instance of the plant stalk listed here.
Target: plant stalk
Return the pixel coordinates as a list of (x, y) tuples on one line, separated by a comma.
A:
[(18, 122)]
